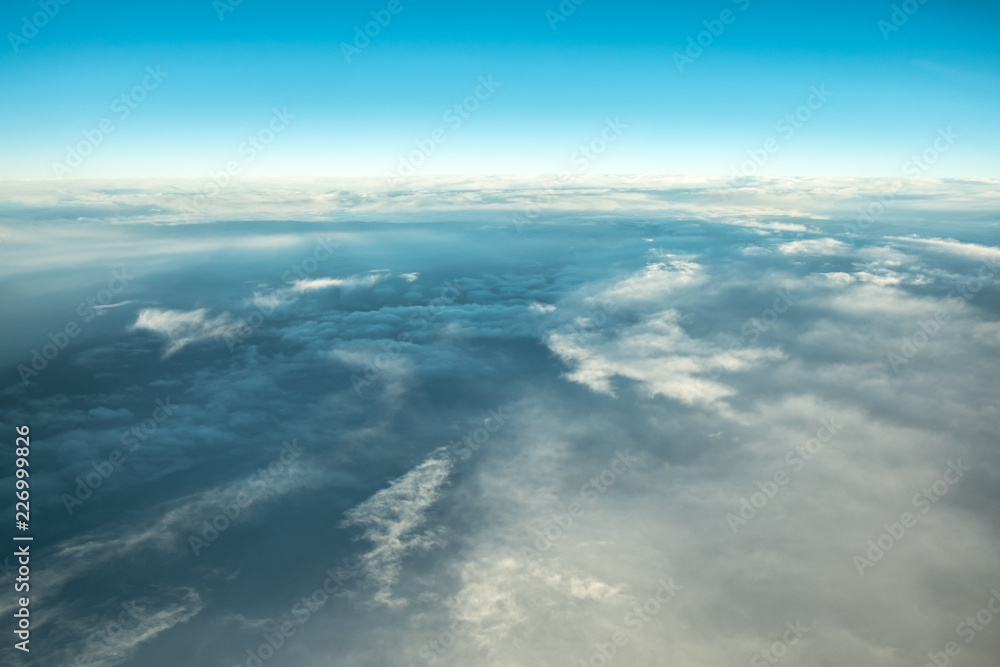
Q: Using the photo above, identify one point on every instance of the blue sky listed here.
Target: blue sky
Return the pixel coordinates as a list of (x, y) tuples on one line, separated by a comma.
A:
[(891, 91)]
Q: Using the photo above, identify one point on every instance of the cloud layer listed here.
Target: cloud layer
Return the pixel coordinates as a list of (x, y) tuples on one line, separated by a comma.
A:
[(676, 419)]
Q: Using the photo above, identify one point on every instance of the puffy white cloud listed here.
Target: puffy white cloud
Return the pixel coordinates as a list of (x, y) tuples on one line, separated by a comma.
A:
[(826, 246), (656, 353), (665, 274)]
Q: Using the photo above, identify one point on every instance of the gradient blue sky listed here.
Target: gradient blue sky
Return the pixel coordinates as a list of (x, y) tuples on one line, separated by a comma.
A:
[(607, 60)]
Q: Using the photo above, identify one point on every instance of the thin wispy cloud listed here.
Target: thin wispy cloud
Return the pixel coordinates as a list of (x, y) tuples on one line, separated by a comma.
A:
[(313, 284), (114, 648), (393, 523)]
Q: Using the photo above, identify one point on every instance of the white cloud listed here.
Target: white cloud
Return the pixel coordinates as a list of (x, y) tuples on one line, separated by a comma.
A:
[(176, 522), (951, 246), (881, 277), (769, 226), (313, 284), (825, 246), (886, 255), (115, 647), (267, 301), (99, 308), (663, 275), (183, 328), (500, 593), (391, 518), (656, 353)]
